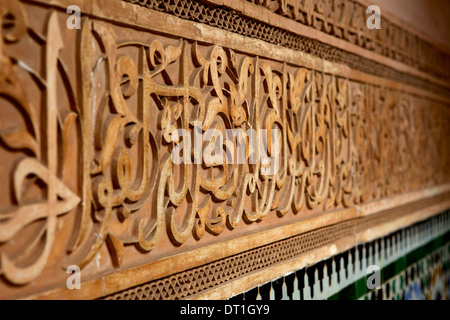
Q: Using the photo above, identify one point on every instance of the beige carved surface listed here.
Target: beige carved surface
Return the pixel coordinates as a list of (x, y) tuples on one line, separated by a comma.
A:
[(87, 126)]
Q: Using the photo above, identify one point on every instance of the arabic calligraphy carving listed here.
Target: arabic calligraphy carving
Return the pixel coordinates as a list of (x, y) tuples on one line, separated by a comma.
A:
[(343, 142)]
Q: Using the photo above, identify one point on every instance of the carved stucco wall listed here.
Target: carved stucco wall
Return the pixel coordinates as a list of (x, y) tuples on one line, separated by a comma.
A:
[(87, 120)]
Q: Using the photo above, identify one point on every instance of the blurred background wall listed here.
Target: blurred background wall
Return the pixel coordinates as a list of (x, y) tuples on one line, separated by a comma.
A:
[(431, 17)]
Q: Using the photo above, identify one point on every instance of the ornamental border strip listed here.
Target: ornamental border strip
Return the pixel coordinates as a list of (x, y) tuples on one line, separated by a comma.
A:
[(200, 279), (233, 21), (344, 276), (344, 19)]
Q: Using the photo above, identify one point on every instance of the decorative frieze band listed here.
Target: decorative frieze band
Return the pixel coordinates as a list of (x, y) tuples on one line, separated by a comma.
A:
[(346, 19), (413, 264), (188, 284), (89, 119), (343, 19)]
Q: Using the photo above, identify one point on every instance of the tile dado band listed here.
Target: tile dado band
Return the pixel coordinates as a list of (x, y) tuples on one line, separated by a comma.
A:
[(86, 128)]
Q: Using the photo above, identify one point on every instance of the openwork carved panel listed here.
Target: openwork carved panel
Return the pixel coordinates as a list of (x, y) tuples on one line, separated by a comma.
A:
[(89, 119)]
